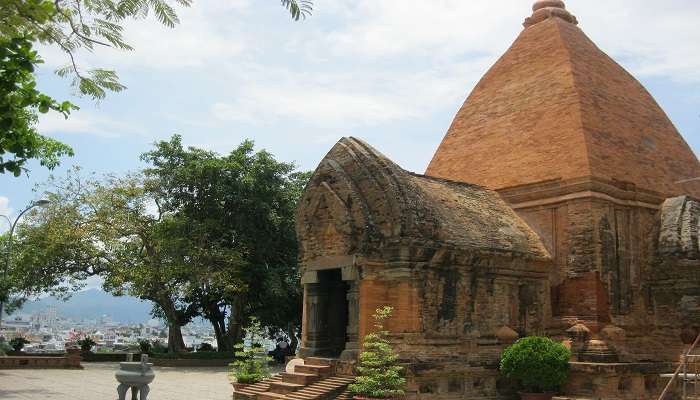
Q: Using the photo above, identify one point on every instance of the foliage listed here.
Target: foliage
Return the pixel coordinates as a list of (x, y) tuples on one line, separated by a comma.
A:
[(158, 347), (232, 226), (19, 103), (298, 8), (539, 364), (4, 348), (74, 25), (379, 375), (86, 344), (196, 234), (205, 347), (251, 362), (145, 346), (18, 343)]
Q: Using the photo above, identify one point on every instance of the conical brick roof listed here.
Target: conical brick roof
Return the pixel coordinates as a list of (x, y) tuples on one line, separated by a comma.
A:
[(556, 107)]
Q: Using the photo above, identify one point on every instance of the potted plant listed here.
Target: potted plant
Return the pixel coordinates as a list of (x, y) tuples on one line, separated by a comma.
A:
[(86, 344), (539, 366), (18, 343), (378, 372), (250, 366)]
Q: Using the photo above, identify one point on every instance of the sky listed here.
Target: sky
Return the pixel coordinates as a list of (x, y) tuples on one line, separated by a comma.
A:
[(392, 72)]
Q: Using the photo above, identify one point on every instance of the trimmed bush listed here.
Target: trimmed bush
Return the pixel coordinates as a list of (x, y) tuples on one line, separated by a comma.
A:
[(86, 344), (18, 343), (145, 346), (538, 364), (379, 375), (251, 363)]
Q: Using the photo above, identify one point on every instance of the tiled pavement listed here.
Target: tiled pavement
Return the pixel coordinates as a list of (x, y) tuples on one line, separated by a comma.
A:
[(96, 382)]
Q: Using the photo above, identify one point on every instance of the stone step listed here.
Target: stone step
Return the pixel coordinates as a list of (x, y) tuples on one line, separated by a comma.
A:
[(299, 378), (320, 361), (345, 395), (251, 391), (326, 389), (320, 370), (270, 396), (284, 387)]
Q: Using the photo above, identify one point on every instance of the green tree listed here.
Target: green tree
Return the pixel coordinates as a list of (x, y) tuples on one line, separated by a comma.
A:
[(237, 233), (111, 228), (19, 103), (196, 234), (298, 8), (378, 372), (251, 362), (73, 25)]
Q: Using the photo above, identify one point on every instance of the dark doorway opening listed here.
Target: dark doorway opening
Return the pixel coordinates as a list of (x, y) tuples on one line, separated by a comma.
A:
[(327, 315), (336, 310)]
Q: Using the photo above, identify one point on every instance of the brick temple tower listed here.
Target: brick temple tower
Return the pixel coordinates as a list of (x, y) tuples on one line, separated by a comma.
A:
[(584, 154), (561, 202)]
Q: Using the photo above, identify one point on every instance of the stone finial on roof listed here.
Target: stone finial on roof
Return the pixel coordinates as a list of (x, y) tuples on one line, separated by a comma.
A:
[(545, 9)]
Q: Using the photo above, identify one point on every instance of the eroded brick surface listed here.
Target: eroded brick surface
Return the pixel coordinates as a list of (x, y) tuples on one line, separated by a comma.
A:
[(578, 242)]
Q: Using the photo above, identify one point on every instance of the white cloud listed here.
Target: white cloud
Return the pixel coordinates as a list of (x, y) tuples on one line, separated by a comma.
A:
[(5, 210), (87, 122), (367, 62)]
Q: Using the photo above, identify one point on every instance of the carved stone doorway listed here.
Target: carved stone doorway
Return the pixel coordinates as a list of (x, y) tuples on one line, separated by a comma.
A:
[(331, 316)]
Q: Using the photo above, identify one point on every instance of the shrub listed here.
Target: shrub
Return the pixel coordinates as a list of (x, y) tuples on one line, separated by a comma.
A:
[(538, 364), (157, 347), (251, 363), (145, 346), (379, 375), (18, 343), (4, 347), (86, 344), (205, 347)]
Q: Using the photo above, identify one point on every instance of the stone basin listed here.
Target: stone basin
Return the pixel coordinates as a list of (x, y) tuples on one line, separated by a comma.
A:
[(135, 373)]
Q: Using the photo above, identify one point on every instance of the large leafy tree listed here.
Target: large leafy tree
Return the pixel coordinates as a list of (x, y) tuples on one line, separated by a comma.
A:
[(239, 239), (197, 234), (112, 228)]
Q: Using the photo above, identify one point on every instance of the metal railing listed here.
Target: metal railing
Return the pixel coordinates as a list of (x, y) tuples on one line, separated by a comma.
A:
[(683, 370)]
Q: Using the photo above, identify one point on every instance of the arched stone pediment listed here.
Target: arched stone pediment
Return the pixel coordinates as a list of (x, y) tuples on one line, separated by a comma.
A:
[(358, 202), (680, 223)]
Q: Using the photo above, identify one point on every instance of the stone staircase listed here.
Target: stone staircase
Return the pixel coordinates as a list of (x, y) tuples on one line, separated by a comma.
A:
[(315, 380)]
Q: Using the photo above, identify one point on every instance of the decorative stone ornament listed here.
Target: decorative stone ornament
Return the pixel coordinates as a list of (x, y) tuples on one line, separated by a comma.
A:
[(137, 376), (507, 335), (546, 9), (579, 333)]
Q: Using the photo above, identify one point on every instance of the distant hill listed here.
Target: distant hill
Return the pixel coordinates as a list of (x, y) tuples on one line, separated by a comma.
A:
[(92, 304)]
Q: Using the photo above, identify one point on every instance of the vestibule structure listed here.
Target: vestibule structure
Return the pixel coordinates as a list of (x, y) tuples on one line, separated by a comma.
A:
[(562, 201)]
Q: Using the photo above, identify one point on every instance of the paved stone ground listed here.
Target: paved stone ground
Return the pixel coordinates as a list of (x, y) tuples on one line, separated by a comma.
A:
[(96, 382)]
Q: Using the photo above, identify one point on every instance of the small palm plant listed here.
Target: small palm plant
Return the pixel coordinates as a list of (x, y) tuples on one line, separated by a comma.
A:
[(251, 365), (379, 375)]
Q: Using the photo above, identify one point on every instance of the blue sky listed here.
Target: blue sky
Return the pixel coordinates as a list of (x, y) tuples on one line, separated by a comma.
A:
[(391, 72)]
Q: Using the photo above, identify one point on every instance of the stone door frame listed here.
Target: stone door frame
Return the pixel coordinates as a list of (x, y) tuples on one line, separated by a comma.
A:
[(315, 309)]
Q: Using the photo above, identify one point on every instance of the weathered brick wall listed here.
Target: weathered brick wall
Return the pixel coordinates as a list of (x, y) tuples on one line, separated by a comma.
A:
[(449, 308)]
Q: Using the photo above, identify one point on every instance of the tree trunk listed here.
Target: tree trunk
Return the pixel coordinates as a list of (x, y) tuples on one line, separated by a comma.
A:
[(235, 323), (176, 343), (293, 341)]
